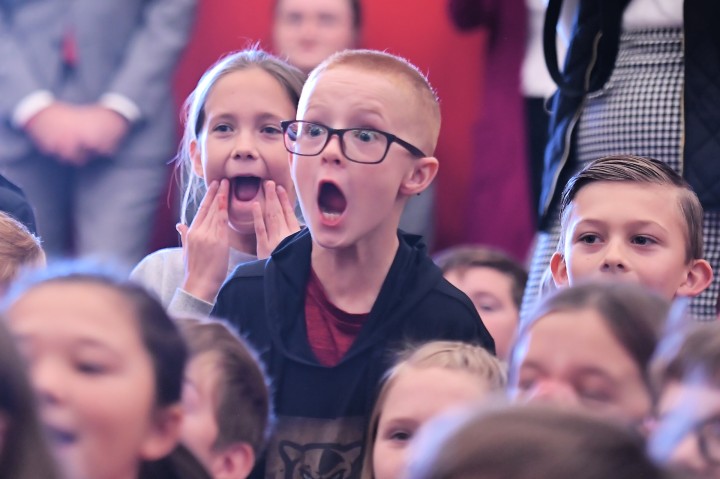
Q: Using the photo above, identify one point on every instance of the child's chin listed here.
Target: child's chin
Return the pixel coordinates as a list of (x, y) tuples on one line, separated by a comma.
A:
[(242, 222)]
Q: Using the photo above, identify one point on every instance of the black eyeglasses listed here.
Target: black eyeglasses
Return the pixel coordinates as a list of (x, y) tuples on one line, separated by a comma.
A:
[(362, 145), (708, 433)]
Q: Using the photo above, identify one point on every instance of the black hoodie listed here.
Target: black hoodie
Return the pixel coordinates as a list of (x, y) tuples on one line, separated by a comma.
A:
[(322, 411)]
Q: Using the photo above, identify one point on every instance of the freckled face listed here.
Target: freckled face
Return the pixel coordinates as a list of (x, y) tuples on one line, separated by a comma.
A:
[(346, 203)]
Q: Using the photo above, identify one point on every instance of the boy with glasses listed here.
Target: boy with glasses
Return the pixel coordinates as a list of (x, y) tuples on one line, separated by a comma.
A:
[(332, 300)]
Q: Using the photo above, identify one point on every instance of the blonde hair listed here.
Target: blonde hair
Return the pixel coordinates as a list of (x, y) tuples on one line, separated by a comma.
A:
[(291, 79), (450, 355), (383, 63), (19, 248)]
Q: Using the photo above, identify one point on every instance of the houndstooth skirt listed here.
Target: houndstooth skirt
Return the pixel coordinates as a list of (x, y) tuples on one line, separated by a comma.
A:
[(637, 112)]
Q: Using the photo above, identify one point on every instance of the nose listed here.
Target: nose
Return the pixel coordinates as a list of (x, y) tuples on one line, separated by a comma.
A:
[(553, 392), (687, 455), (48, 381), (332, 153), (245, 147), (614, 260)]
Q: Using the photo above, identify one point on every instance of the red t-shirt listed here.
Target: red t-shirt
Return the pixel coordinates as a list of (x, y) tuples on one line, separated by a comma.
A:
[(331, 331)]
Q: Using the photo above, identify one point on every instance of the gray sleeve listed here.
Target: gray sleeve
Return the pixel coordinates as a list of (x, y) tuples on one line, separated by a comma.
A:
[(160, 273), (16, 78), (152, 54), (183, 304)]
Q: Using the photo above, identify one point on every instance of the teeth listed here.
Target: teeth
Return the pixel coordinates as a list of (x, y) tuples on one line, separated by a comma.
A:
[(330, 216)]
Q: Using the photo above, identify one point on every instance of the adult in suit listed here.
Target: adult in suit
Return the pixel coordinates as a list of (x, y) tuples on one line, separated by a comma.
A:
[(87, 121)]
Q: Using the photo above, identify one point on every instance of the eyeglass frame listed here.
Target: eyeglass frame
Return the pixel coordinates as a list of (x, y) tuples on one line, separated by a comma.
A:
[(340, 132), (703, 440)]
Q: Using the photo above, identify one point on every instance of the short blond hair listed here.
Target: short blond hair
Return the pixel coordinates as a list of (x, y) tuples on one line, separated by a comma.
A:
[(19, 248), (450, 355), (386, 64)]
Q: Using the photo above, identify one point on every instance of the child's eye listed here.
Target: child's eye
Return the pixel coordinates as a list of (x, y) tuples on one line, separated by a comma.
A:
[(594, 395), (271, 130), (643, 240), (526, 383), (589, 238), (487, 307), (90, 368), (400, 436), (222, 128), (314, 131), (365, 136)]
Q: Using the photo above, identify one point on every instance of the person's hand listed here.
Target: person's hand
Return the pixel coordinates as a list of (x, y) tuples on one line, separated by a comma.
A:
[(277, 221), (55, 131), (206, 244), (102, 130)]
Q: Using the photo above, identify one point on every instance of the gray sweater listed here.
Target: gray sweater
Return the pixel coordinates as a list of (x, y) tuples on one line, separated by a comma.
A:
[(162, 273)]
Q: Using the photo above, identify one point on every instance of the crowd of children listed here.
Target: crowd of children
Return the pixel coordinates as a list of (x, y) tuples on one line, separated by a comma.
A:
[(340, 349)]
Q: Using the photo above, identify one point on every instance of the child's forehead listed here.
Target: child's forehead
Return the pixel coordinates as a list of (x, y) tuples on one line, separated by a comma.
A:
[(625, 194), (355, 78)]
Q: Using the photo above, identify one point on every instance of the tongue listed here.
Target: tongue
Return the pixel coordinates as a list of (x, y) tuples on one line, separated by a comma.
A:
[(245, 188), (331, 199)]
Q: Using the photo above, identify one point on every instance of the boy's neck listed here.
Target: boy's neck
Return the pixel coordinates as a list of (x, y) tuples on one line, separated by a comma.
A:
[(352, 277), (245, 243)]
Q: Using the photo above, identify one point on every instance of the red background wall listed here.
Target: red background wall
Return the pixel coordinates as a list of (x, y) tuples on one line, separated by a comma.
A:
[(419, 30)]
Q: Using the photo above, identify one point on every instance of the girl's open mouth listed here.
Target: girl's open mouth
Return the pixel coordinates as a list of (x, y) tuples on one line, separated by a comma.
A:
[(245, 188)]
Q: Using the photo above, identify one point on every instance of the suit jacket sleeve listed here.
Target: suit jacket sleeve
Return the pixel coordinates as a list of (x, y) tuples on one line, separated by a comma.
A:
[(16, 78), (147, 68)]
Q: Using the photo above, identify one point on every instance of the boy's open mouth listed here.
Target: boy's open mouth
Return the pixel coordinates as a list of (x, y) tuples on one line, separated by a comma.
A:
[(245, 188), (331, 200)]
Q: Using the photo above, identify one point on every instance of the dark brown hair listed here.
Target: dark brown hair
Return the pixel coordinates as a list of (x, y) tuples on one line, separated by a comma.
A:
[(24, 453), (637, 169), (242, 411), (531, 442), (462, 258)]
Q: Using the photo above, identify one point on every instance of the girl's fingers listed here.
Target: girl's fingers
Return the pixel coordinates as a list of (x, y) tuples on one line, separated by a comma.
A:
[(261, 235), (206, 202), (182, 230), (288, 209), (220, 212)]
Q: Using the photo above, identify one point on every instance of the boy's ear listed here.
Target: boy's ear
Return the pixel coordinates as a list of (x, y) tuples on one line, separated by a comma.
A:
[(196, 158), (558, 268), (699, 277), (419, 178), (163, 434), (233, 462)]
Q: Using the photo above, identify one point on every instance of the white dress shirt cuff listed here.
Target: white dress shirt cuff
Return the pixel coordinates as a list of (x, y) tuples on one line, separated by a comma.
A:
[(30, 106), (121, 105)]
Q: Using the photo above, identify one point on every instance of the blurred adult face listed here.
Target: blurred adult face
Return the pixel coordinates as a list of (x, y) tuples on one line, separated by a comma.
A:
[(308, 31)]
